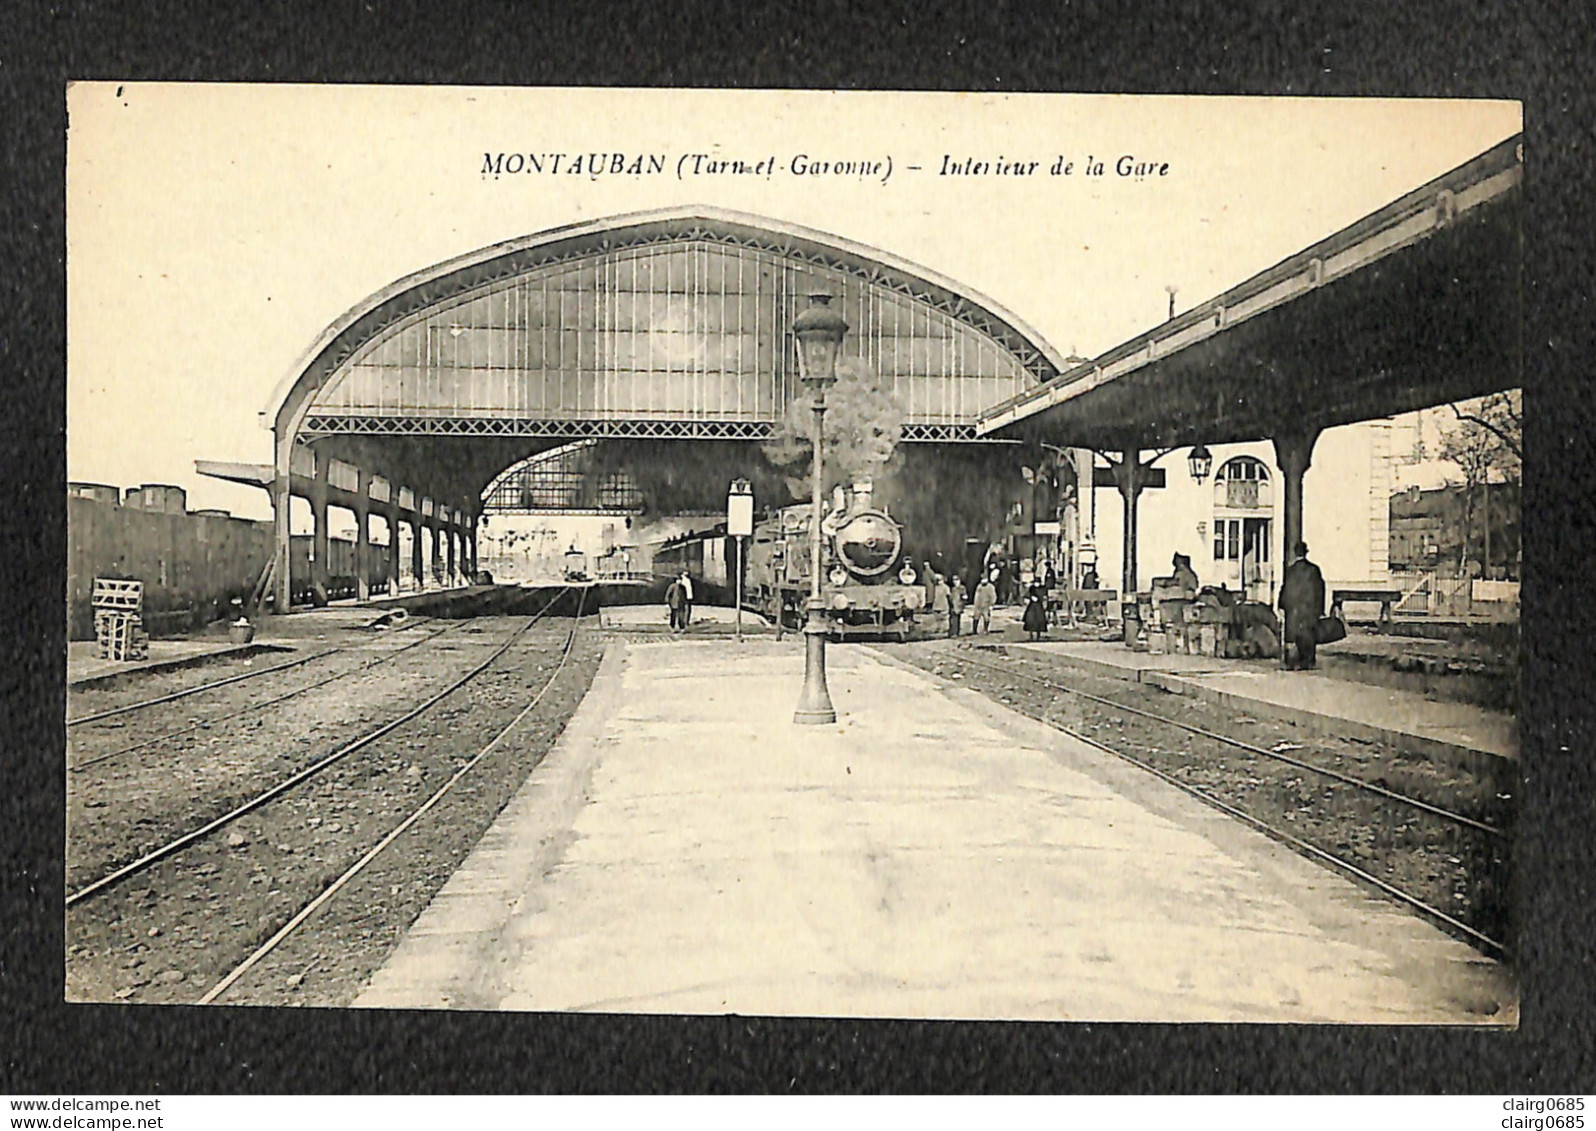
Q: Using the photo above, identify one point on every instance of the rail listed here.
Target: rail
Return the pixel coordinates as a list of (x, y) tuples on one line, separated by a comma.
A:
[(337, 755)]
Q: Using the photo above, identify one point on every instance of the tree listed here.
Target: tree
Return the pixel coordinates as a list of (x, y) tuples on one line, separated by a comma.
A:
[(863, 425), (1485, 444), (1501, 415)]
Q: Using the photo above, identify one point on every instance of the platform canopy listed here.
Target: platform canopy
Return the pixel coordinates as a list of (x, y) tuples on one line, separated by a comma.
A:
[(1415, 305)]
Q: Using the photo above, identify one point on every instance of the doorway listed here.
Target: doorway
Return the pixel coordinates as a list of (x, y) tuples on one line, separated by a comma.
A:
[(1243, 521)]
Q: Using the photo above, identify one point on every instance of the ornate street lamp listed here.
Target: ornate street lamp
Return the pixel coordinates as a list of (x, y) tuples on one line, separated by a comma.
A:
[(1201, 462), (819, 330)]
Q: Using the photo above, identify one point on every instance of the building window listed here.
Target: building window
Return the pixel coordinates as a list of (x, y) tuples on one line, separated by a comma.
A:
[(1245, 467), (1241, 484), (1227, 539)]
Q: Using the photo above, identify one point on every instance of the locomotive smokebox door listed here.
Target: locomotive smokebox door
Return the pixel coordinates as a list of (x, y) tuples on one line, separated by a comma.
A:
[(869, 542)]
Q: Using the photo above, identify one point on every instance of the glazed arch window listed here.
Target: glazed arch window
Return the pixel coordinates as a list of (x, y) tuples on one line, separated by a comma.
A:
[(1245, 468)]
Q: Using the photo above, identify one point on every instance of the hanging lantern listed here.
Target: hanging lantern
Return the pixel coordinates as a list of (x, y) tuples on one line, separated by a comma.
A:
[(1201, 462)]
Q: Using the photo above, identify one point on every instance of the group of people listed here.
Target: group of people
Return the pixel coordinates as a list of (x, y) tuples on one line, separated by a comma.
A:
[(946, 598), (1301, 601), (679, 600)]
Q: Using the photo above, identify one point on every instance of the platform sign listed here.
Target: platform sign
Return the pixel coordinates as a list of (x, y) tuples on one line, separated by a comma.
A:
[(1104, 477), (1053, 528), (740, 509), (739, 525)]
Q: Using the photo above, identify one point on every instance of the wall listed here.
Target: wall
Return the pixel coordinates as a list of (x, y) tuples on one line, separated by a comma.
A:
[(190, 564)]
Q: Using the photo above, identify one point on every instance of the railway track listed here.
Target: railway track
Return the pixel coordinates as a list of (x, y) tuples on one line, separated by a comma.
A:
[(320, 818), (199, 689), (205, 723), (1494, 834), (178, 843), (305, 913)]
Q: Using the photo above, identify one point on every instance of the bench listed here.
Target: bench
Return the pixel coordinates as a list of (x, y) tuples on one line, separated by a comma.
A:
[(1084, 602), (1386, 598)]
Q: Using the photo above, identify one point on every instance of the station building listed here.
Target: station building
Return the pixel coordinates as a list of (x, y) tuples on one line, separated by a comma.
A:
[(1229, 523), (634, 364)]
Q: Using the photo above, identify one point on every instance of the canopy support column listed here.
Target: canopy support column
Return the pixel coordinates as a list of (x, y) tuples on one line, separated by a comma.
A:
[(363, 535), (393, 539), (319, 576), (1130, 476), (418, 570), (1293, 452)]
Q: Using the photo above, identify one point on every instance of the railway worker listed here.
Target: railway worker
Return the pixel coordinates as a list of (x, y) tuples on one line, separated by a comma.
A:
[(929, 576), (985, 598), (687, 599), (939, 600), (1302, 600), (955, 606), (673, 601)]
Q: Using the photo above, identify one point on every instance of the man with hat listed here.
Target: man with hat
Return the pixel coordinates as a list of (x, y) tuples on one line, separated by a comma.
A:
[(1302, 601)]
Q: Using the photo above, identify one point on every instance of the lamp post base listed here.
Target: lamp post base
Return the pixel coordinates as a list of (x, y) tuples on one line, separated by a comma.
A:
[(814, 705)]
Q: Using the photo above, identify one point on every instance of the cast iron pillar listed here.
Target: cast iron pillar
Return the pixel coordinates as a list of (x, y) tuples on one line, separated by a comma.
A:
[(393, 539), (1293, 452), (319, 576), (418, 571), (282, 572), (362, 536), (1130, 476), (451, 567)]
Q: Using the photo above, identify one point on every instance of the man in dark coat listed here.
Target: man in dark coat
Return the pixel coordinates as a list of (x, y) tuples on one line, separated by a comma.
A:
[(674, 600), (1302, 600)]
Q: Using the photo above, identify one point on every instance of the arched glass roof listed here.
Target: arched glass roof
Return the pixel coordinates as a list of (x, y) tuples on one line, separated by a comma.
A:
[(658, 325)]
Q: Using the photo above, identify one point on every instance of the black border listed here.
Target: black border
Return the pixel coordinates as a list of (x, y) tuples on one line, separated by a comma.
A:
[(1308, 48)]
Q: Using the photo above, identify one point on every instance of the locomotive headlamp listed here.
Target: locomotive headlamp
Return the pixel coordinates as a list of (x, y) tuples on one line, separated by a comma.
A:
[(907, 575), (838, 576), (839, 601)]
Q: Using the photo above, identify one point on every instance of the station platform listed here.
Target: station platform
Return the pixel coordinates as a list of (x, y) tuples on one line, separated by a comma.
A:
[(273, 634), (85, 667), (1459, 732), (635, 617), (685, 848)]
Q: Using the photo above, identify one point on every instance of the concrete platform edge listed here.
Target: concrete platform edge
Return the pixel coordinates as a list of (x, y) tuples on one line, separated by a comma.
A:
[(1466, 757), (230, 652), (438, 964), (1453, 753)]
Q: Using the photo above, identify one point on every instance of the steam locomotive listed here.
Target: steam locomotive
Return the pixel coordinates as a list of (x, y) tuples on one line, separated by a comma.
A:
[(867, 585)]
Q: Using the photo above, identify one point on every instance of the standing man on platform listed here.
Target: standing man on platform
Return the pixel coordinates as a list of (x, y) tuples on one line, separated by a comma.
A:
[(1302, 600), (955, 605), (985, 598), (673, 602), (939, 603), (687, 599)]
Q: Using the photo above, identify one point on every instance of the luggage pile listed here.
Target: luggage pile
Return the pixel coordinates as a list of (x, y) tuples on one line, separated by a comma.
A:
[(118, 619)]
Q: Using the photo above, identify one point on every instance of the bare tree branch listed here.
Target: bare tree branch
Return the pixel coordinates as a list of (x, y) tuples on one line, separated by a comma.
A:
[(1512, 438)]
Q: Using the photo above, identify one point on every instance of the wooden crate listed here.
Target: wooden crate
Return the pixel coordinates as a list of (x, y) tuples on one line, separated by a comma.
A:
[(120, 636), (118, 595)]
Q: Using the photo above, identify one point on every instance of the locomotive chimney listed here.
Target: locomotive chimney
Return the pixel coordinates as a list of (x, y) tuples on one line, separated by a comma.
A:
[(863, 489)]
